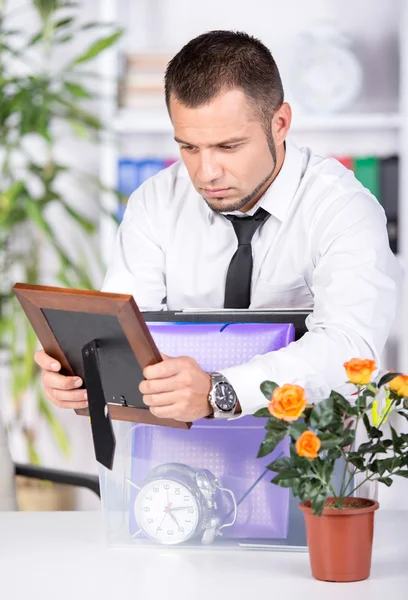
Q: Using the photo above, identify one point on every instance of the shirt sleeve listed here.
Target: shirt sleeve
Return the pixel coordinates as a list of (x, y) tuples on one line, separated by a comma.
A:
[(355, 284), (137, 266)]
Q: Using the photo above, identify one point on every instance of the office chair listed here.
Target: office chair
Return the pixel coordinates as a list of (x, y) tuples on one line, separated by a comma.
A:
[(91, 482)]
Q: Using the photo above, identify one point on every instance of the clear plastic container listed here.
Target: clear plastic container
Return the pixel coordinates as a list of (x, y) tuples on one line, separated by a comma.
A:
[(204, 486)]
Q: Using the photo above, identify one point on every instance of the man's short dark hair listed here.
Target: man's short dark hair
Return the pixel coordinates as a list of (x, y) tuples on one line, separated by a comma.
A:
[(223, 60)]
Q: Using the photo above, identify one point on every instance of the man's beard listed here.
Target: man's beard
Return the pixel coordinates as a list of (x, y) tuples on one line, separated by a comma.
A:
[(242, 202)]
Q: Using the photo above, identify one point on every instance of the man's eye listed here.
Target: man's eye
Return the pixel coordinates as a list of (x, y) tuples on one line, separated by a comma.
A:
[(229, 147), (189, 148)]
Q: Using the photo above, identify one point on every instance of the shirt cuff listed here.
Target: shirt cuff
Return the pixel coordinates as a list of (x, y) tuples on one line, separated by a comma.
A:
[(246, 380)]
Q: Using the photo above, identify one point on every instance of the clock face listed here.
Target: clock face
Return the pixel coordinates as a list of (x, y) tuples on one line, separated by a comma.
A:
[(166, 511), (326, 78)]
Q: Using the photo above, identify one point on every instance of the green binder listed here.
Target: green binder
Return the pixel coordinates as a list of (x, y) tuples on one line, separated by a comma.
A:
[(367, 171)]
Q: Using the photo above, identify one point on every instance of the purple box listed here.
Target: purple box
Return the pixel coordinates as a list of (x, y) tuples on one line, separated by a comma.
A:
[(228, 449)]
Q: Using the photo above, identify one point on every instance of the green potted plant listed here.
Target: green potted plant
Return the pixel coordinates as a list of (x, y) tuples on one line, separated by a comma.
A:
[(339, 524), (47, 88)]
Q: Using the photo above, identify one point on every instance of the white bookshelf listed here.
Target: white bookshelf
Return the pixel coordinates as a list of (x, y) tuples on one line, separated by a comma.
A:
[(130, 121), (377, 132)]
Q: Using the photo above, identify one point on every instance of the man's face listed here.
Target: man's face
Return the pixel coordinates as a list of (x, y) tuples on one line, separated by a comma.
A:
[(225, 149)]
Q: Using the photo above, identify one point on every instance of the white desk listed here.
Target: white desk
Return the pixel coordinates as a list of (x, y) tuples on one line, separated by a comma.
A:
[(63, 556)]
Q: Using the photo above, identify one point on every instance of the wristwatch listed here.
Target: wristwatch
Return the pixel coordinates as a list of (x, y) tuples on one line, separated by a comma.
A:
[(222, 397)]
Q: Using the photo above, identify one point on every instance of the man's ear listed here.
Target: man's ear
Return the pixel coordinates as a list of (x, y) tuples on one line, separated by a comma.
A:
[(281, 122)]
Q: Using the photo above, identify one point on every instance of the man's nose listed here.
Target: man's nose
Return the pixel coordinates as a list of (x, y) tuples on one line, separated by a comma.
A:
[(209, 169)]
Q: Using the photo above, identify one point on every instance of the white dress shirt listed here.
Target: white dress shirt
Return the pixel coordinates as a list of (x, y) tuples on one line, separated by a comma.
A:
[(325, 247)]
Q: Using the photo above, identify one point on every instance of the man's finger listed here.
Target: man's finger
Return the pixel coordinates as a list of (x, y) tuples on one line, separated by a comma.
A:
[(158, 386), (166, 368), (166, 399), (77, 403), (67, 396), (60, 382), (45, 361)]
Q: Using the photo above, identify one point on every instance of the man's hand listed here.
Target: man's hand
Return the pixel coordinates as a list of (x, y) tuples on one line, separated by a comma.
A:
[(177, 388), (60, 390)]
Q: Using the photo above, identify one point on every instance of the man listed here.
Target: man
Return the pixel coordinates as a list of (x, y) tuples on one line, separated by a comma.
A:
[(315, 238)]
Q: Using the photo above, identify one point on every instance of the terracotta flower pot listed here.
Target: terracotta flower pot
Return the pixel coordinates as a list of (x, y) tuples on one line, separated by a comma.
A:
[(340, 540)]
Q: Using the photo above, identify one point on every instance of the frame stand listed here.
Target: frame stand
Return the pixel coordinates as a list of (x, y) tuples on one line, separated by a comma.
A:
[(101, 424)]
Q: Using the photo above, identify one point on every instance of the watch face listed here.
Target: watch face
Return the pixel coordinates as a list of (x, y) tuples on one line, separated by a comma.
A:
[(166, 511), (225, 397)]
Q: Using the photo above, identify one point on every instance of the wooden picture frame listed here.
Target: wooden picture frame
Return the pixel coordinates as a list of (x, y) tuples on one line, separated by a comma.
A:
[(38, 301)]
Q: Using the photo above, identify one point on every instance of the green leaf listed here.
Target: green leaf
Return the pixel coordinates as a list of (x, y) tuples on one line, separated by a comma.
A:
[(96, 48), (373, 448), (387, 378), (267, 388), (64, 22), (357, 461), (46, 8), (328, 440), (270, 442), (280, 463), (401, 473), (274, 424), (286, 482), (328, 469), (288, 474), (323, 414), (397, 440), (35, 39), (84, 223), (296, 430), (318, 500), (340, 403), (77, 90), (386, 480), (262, 412)]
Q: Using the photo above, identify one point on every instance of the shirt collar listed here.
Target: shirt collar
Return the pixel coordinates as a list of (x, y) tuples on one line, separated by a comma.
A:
[(280, 193)]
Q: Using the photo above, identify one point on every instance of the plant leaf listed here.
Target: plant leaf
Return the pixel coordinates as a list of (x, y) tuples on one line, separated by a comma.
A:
[(267, 388), (262, 412), (280, 463), (96, 48), (270, 442), (387, 378), (328, 440), (386, 480), (323, 413), (296, 430), (77, 90)]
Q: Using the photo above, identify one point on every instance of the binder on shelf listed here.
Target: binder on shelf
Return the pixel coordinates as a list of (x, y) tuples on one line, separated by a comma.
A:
[(132, 173), (346, 161), (366, 170), (389, 174)]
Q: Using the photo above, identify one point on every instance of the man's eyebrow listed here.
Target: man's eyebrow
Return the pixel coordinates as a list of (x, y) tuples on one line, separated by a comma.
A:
[(235, 140)]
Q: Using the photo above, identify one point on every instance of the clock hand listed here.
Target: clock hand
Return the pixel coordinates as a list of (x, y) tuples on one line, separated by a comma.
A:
[(180, 508), (165, 514), (174, 519)]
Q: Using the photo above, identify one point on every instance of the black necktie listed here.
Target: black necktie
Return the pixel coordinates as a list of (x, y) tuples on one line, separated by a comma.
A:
[(238, 284)]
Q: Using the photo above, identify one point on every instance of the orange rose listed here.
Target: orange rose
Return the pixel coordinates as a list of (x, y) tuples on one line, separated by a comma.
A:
[(360, 371), (308, 445), (400, 385), (288, 402)]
